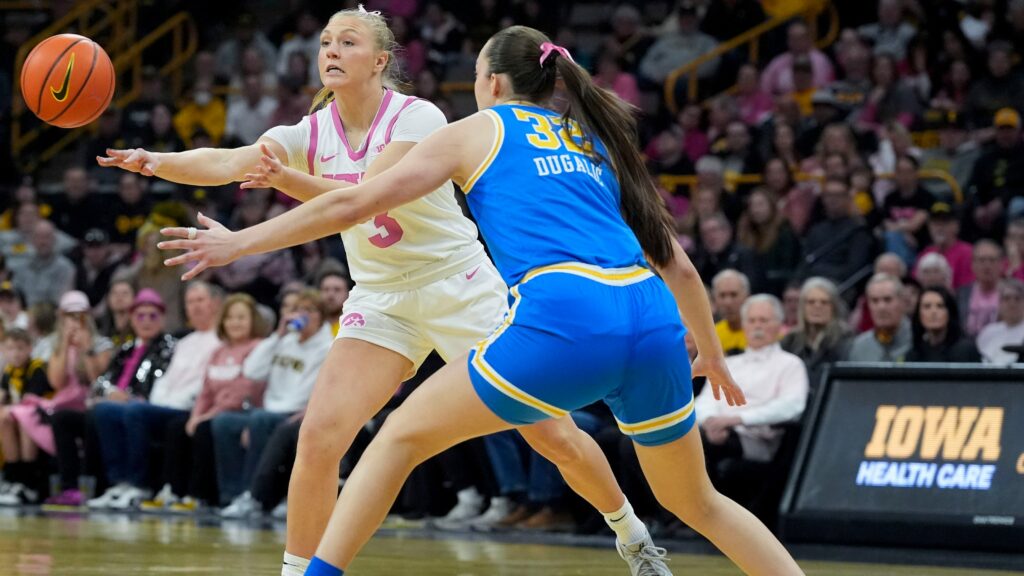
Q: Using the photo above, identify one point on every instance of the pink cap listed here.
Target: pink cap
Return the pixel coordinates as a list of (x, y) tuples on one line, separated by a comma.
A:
[(74, 302), (149, 297)]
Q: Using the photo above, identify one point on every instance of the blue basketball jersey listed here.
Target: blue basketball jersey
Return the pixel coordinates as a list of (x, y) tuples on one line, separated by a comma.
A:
[(540, 199)]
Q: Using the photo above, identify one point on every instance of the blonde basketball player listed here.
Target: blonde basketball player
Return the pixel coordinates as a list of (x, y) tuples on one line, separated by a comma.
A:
[(423, 280)]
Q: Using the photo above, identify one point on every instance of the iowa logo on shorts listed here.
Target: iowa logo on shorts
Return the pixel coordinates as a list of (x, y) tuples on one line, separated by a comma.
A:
[(353, 319)]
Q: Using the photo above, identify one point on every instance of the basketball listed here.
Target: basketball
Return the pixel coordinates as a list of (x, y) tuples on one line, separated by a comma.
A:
[(67, 80)]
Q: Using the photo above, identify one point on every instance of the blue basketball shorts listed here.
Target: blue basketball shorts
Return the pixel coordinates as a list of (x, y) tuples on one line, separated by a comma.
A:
[(576, 334)]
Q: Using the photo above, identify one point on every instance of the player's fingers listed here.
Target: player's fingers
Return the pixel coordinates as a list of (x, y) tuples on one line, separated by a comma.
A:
[(148, 169), (175, 232), (196, 271), (714, 390), (177, 245), (192, 256), (106, 162), (209, 222)]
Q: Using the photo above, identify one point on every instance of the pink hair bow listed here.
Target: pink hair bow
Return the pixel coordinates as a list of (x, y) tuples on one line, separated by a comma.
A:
[(547, 48)]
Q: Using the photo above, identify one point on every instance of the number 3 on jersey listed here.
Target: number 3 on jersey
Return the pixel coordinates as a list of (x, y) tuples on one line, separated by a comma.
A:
[(389, 231), (544, 136)]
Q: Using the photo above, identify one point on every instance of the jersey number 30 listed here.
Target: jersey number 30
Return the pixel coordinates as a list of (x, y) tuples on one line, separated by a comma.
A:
[(389, 231)]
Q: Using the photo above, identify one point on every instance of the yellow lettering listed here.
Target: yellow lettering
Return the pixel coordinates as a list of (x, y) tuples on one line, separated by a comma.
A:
[(883, 420), (906, 431), (946, 428), (986, 436), (1020, 464)]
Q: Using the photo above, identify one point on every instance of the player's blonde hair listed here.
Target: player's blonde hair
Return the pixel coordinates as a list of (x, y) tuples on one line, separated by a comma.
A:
[(384, 40)]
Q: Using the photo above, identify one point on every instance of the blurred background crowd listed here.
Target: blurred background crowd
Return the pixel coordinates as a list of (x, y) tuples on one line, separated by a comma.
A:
[(848, 181)]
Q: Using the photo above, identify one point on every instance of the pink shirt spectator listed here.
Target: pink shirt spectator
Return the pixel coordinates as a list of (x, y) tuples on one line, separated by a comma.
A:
[(624, 85), (225, 387), (982, 310), (778, 76), (959, 256), (754, 108)]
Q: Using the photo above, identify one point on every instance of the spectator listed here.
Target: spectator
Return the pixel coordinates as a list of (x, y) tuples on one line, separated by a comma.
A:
[(885, 263), (1009, 331), (906, 211), (77, 210), (956, 86), (937, 334), (16, 244), (738, 156), (934, 270), (137, 425), (978, 302), (891, 337), (203, 112), (334, 286), (822, 336), (955, 154), (891, 99), (718, 251), (944, 229), (998, 178), (729, 290), (791, 306), (442, 32), (840, 245), (288, 361), (248, 117), (611, 76), (413, 56), (755, 105), (795, 202), (764, 231), (12, 308), (94, 271), (774, 383), (246, 35), (115, 317), (129, 209), (851, 92), (678, 48), (23, 383), (706, 204), (891, 34), (1000, 89), (148, 270), (189, 467), (47, 274), (42, 324), (803, 85), (629, 38), (777, 78), (160, 135), (138, 115), (304, 41)]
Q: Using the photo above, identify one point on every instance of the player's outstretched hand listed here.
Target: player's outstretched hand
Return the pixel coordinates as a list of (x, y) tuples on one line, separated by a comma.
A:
[(133, 160), (719, 378), (269, 173), (214, 246)]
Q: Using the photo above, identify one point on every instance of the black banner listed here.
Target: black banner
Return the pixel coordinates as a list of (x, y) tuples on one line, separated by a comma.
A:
[(911, 454)]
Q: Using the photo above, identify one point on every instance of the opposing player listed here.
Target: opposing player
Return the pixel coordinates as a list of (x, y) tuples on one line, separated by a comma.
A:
[(569, 213), (423, 280)]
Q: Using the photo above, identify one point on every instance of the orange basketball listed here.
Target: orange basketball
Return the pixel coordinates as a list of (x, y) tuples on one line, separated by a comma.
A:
[(67, 80)]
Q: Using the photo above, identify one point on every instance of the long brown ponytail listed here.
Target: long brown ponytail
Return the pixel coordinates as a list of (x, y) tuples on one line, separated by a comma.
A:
[(516, 51)]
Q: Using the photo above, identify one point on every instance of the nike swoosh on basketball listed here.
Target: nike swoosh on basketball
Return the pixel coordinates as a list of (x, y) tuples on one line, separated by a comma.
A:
[(327, 158), (469, 275), (62, 93)]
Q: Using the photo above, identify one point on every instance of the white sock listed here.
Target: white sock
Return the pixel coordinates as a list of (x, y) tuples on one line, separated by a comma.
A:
[(628, 528), (294, 565)]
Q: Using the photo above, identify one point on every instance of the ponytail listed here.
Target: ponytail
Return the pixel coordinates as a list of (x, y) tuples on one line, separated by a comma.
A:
[(600, 112), (323, 97), (516, 51)]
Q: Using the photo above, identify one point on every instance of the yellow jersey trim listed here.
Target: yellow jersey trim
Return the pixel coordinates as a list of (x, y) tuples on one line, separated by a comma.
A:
[(656, 424), (499, 138)]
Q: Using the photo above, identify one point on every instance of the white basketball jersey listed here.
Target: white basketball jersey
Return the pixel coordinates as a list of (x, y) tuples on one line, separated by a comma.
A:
[(398, 246)]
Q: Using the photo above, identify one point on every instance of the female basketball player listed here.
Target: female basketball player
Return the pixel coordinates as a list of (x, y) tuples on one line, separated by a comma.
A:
[(562, 204), (423, 280)]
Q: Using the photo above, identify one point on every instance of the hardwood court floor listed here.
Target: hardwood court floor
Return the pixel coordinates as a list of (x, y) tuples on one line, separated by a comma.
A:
[(119, 545)]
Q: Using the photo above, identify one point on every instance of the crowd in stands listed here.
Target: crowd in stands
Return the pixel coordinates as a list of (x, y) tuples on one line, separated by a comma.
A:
[(837, 244)]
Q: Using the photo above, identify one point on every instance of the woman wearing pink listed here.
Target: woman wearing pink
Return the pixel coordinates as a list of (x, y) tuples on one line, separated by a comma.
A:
[(81, 355)]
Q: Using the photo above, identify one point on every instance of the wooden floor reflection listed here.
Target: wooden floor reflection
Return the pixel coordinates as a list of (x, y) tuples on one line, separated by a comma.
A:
[(101, 545)]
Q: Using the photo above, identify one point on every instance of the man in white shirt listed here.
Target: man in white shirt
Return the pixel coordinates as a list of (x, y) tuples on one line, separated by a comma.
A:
[(773, 381), (1009, 331)]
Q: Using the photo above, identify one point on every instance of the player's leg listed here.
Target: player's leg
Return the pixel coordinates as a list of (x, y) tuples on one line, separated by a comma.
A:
[(354, 383), (410, 436), (677, 476)]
